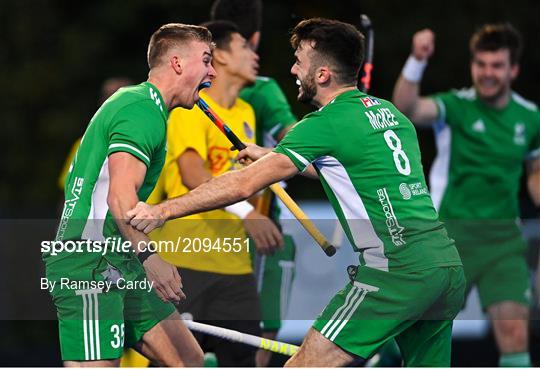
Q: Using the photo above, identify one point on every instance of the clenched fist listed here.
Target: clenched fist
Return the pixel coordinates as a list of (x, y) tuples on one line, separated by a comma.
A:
[(423, 44)]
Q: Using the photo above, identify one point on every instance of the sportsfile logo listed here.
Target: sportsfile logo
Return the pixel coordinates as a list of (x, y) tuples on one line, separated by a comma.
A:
[(370, 101), (394, 229)]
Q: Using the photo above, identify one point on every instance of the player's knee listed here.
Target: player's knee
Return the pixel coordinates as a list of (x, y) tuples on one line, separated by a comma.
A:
[(514, 328), (514, 331)]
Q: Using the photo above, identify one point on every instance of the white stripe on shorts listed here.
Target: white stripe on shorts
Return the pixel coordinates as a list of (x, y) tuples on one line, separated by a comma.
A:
[(351, 312), (85, 329), (96, 325), (349, 300), (92, 347)]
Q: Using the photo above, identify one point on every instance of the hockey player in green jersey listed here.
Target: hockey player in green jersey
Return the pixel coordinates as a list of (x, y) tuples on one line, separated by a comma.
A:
[(409, 282), (483, 134), (117, 164)]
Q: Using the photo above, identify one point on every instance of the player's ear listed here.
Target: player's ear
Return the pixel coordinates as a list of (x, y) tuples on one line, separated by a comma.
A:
[(253, 41), (220, 56), (176, 64), (514, 71), (322, 75)]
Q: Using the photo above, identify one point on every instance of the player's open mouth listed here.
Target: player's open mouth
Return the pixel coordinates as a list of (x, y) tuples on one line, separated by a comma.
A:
[(299, 84), (204, 85)]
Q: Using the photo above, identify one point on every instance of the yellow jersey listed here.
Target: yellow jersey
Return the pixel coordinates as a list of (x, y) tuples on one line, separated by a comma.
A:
[(191, 235)]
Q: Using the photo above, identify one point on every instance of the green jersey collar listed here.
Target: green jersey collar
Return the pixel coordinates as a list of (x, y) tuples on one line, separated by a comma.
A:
[(155, 95), (342, 96)]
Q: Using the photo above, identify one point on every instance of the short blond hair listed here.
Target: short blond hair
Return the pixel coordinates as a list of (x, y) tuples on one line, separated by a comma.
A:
[(174, 35)]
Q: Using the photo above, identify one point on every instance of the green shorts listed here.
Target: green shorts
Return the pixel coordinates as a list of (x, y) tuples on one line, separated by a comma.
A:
[(416, 309), (275, 275), (493, 256), (498, 277), (97, 321)]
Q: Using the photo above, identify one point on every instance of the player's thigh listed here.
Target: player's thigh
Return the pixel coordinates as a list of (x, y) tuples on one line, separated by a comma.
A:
[(319, 351), (156, 330), (426, 343), (507, 279), (376, 307), (171, 343), (91, 324)]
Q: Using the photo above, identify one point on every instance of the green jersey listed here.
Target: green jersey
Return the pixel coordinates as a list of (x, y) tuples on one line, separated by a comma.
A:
[(133, 120), (367, 156), (477, 172), (272, 111)]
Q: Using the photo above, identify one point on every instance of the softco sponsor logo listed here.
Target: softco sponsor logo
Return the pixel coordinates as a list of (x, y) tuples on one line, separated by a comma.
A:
[(394, 229)]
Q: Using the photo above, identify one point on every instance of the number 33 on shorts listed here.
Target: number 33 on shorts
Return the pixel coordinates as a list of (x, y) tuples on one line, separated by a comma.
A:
[(87, 331)]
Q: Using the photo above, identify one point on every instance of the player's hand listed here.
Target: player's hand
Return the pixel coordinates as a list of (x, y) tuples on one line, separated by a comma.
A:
[(264, 232), (145, 217), (423, 44), (252, 153), (166, 280)]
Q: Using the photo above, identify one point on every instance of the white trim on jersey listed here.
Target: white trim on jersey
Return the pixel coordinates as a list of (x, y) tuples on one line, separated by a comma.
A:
[(300, 158), (93, 229), (115, 145), (529, 105), (438, 175), (355, 213)]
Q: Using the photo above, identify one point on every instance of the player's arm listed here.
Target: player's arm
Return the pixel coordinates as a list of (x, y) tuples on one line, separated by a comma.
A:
[(221, 191), (406, 97), (192, 169), (262, 230), (126, 175), (533, 180), (253, 152)]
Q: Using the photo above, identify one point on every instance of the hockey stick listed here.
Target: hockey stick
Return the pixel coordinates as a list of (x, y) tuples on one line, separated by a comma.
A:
[(248, 339), (276, 188), (364, 83)]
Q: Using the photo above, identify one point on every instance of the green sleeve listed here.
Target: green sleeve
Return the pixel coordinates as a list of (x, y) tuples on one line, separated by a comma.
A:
[(138, 130), (272, 110), (308, 140), (448, 107)]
